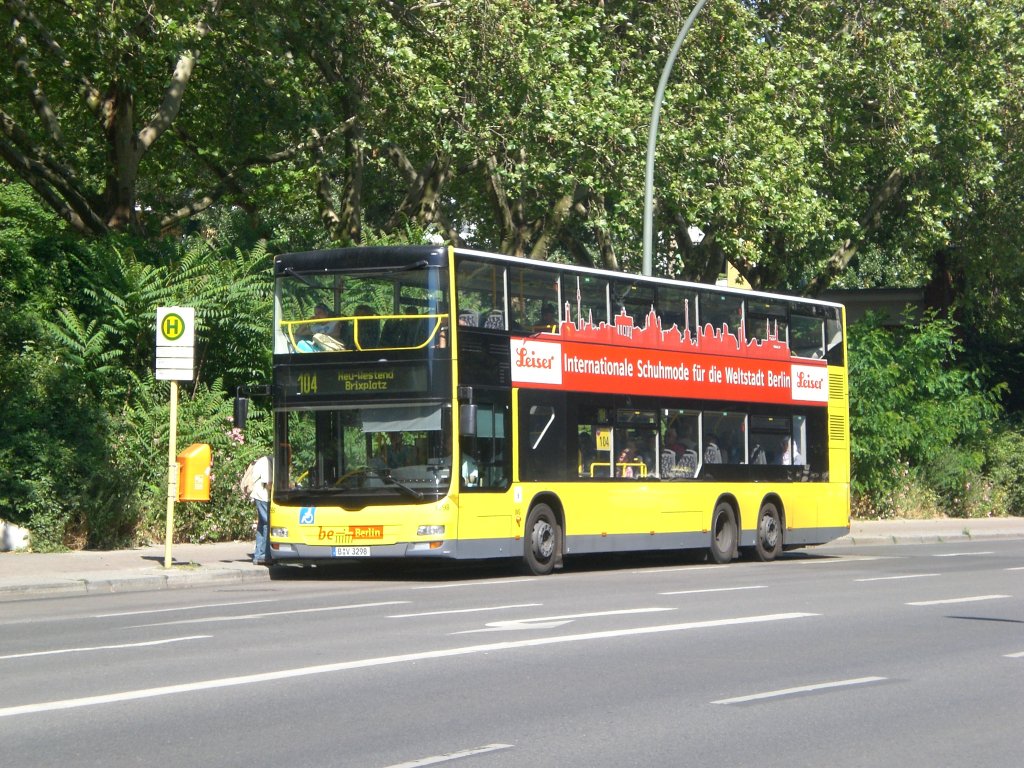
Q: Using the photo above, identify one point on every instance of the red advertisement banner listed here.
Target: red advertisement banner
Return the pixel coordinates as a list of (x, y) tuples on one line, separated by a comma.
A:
[(625, 359)]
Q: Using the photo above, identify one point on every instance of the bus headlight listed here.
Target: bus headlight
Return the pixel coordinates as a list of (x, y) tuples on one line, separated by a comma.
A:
[(279, 533), (430, 530)]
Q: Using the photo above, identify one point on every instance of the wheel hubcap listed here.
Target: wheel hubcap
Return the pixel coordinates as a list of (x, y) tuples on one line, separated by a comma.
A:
[(769, 531), (723, 534), (543, 539)]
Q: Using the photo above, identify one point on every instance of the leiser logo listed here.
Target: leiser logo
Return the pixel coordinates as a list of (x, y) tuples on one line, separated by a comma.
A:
[(810, 383), (536, 362)]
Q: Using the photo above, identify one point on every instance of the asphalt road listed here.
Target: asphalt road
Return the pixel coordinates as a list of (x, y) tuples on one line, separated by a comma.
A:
[(908, 655)]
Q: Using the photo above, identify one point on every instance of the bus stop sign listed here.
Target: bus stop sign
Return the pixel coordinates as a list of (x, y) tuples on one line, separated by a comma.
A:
[(175, 343)]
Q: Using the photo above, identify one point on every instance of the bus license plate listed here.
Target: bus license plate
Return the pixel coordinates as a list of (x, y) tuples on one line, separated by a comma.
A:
[(351, 551)]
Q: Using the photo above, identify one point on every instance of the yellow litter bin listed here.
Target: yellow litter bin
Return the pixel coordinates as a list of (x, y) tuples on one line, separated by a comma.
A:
[(194, 465)]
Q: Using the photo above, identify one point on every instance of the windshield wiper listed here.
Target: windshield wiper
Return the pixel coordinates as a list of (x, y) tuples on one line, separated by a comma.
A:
[(422, 264), (300, 278), (385, 475)]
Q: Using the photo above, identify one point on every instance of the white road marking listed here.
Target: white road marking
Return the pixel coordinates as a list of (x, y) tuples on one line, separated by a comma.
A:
[(181, 608), (1018, 568), (104, 647), (961, 554), (814, 559), (463, 610), (716, 589), (451, 756), (799, 689), (678, 569), (475, 583), (898, 578), (950, 601), (249, 616), (550, 622), (827, 559), (1015, 655), (343, 666)]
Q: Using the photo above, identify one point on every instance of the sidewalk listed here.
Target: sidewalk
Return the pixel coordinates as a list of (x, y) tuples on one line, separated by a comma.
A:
[(26, 575), (31, 575)]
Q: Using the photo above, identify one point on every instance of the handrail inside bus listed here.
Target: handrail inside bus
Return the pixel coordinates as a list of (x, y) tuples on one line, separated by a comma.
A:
[(435, 331), (640, 466)]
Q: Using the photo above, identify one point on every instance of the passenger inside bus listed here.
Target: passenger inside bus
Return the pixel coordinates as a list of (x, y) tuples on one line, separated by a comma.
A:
[(587, 452), (789, 454), (631, 462), (329, 327), (367, 331), (547, 320)]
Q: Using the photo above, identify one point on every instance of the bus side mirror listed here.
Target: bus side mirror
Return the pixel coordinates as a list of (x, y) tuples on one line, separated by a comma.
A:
[(241, 412), (467, 419)]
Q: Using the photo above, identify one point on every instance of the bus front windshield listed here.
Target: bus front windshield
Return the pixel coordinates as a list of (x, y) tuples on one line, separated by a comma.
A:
[(392, 453), (401, 307)]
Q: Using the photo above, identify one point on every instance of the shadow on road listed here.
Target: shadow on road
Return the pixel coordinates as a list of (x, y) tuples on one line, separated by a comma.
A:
[(438, 571)]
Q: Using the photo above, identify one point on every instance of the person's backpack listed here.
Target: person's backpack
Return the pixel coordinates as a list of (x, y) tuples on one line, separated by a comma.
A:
[(248, 481)]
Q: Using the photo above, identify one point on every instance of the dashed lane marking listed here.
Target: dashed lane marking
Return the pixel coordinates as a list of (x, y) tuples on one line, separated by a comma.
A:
[(344, 666)]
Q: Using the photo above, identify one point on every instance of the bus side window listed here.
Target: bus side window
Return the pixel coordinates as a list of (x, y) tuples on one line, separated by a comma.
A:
[(807, 336), (488, 448), (544, 451)]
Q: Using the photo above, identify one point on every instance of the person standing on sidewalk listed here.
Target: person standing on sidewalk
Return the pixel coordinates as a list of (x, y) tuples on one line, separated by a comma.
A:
[(260, 496)]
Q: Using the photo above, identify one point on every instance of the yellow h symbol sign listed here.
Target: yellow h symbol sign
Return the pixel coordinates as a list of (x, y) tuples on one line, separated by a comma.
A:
[(172, 327)]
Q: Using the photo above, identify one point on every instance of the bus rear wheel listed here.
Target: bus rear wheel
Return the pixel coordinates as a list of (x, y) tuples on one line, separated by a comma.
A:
[(768, 543), (723, 533), (542, 541)]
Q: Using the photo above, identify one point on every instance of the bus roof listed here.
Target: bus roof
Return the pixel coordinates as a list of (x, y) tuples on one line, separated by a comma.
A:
[(359, 257), (659, 280), (396, 256)]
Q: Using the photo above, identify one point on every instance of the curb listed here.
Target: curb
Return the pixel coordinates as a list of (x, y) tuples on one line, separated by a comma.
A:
[(922, 538), (112, 583), (184, 575)]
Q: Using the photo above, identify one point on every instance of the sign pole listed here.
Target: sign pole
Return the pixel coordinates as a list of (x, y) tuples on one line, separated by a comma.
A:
[(172, 476), (175, 356)]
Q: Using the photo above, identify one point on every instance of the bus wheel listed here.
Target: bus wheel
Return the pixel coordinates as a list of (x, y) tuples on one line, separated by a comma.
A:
[(543, 541), (723, 533), (769, 533)]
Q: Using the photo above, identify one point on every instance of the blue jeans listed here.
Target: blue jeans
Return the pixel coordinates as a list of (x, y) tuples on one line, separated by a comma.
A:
[(262, 521)]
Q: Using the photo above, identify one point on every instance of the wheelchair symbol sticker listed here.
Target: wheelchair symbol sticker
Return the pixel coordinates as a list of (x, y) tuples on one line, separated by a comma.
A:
[(307, 515)]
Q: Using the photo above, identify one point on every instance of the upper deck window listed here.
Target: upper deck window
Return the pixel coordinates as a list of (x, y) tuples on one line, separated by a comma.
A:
[(481, 295), (397, 308), (533, 299), (722, 311), (767, 320)]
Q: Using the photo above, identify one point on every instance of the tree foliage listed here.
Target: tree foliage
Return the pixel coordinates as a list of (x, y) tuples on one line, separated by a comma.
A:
[(810, 141), (159, 155)]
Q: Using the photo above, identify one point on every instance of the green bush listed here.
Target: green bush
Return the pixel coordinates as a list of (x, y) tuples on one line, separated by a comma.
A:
[(85, 425), (1004, 469), (55, 457), (916, 418), (206, 417)]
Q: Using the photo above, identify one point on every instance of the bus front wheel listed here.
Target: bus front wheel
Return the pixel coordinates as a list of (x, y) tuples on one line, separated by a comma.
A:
[(723, 533), (768, 543), (543, 541)]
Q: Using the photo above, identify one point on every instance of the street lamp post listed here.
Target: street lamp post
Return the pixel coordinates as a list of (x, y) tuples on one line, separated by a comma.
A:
[(652, 139)]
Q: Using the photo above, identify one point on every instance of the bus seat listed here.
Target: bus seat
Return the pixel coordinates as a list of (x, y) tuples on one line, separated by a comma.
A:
[(495, 320), (393, 333)]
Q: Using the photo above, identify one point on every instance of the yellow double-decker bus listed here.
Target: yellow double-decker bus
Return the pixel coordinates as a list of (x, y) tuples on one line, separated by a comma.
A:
[(436, 402)]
